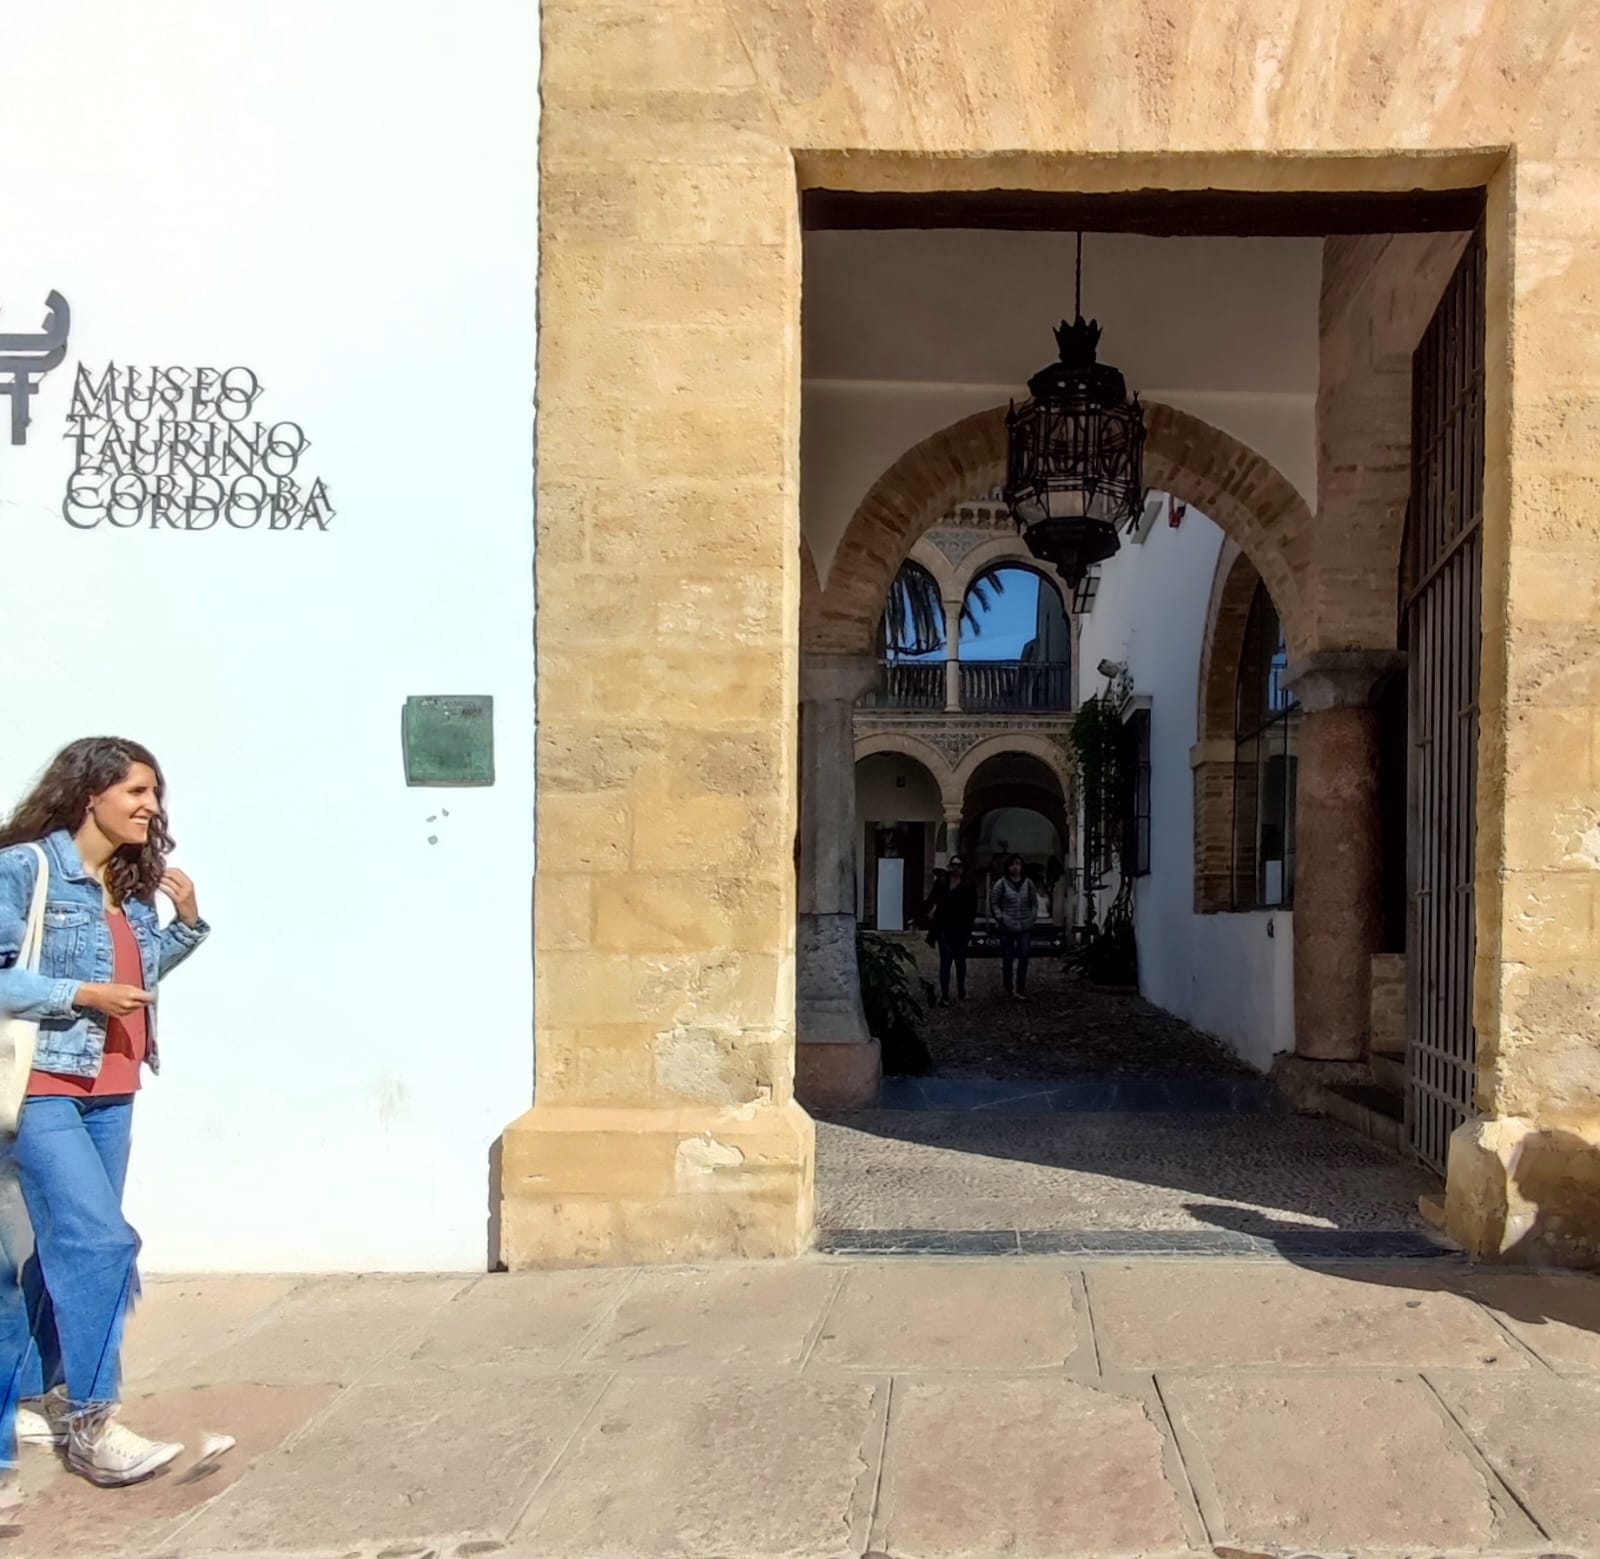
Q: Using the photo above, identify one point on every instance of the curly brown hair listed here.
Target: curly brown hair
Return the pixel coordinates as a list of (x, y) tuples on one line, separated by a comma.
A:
[(61, 799)]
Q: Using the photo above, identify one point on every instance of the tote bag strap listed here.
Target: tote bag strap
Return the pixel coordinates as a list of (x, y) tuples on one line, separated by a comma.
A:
[(33, 933), (18, 1036)]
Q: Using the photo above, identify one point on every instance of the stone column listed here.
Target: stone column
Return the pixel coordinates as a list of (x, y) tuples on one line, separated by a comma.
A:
[(953, 816), (952, 656), (837, 1063), (1338, 908)]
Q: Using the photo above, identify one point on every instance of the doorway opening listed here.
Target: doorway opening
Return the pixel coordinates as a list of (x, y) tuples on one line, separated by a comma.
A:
[(1211, 639)]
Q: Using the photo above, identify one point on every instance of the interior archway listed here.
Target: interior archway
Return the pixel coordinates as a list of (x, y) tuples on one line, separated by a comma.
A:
[(1253, 503)]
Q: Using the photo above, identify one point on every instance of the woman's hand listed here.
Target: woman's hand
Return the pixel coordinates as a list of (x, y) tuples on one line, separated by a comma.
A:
[(116, 1001), (177, 887)]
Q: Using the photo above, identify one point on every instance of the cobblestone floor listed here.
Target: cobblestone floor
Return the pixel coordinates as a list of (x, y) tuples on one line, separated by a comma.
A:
[(1067, 1031), (1075, 1170), (1093, 1112)]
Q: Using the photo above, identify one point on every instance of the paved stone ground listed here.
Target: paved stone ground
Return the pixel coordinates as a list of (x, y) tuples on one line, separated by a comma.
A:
[(1066, 1031), (1071, 1170), (1117, 1119), (916, 1409)]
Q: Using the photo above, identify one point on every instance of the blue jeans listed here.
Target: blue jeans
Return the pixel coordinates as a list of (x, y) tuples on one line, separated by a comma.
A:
[(16, 1241), (1014, 949), (71, 1157)]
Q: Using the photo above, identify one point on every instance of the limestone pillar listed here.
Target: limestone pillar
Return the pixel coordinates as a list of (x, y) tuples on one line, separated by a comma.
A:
[(954, 814), (837, 1063), (1338, 908), (952, 656)]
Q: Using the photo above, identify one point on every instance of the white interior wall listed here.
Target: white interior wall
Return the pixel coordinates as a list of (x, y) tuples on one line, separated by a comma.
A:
[(342, 198), (891, 788), (1228, 974), (1019, 831), (905, 332), (894, 789)]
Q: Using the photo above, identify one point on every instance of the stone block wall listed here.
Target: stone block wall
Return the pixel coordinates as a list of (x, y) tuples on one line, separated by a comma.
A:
[(1389, 1004), (675, 135)]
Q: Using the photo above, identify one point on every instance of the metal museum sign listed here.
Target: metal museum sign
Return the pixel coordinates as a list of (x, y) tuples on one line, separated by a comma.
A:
[(169, 448), (185, 449)]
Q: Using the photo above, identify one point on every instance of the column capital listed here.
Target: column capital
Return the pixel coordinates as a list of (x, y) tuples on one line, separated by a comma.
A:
[(1340, 679), (826, 678)]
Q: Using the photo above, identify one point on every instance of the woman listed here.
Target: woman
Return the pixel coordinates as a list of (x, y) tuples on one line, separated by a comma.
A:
[(955, 907), (1014, 903), (99, 815)]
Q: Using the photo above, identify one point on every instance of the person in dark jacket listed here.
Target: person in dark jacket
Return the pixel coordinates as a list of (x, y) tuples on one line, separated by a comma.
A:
[(954, 908)]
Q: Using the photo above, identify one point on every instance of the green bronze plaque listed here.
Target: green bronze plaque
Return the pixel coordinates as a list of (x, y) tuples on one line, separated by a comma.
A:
[(448, 740)]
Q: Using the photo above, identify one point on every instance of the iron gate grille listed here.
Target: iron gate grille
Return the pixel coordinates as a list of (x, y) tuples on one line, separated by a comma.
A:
[(1443, 579)]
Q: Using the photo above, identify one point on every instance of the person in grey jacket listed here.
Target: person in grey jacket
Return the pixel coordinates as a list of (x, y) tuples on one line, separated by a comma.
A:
[(1014, 903)]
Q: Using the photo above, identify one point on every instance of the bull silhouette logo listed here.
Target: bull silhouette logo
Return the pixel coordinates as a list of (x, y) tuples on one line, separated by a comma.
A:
[(27, 357)]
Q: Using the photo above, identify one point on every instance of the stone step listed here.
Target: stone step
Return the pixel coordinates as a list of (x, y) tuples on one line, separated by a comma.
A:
[(1377, 1113), (1307, 1244), (1108, 1095), (1389, 1072)]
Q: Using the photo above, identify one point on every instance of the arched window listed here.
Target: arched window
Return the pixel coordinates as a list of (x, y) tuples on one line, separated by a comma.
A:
[(1016, 642), (912, 625), (1266, 729)]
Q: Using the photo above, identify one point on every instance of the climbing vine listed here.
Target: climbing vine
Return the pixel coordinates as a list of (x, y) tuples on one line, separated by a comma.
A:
[(1098, 741), (1109, 954)]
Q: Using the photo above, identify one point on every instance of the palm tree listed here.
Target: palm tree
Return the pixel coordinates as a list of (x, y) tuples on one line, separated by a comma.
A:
[(913, 615)]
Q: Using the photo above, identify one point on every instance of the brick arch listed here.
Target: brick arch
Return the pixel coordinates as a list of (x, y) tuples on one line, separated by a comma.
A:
[(1247, 496), (1233, 588), (918, 751), (810, 581)]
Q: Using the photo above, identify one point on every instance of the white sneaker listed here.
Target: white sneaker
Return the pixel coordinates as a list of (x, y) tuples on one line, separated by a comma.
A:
[(112, 1455), (47, 1425)]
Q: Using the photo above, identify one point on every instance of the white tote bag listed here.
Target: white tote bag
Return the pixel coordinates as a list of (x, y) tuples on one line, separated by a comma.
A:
[(19, 1036)]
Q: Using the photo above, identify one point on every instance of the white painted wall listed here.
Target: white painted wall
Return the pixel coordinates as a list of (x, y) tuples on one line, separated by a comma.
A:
[(1224, 973), (342, 198), (1242, 981)]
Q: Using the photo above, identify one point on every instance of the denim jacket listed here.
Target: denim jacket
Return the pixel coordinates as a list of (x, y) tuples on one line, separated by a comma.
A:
[(77, 951)]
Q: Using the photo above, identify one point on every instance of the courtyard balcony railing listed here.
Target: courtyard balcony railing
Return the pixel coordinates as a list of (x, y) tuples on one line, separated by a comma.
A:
[(908, 684), (1015, 685)]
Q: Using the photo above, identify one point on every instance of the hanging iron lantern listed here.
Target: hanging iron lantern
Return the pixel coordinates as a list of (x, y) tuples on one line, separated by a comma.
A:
[(1075, 453)]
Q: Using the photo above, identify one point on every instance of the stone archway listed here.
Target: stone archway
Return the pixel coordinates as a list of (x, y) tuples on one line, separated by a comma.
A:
[(939, 567), (1245, 494), (1005, 552), (1009, 743), (929, 756)]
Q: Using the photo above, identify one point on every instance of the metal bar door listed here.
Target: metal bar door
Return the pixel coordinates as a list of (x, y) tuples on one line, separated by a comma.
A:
[(1443, 577)]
